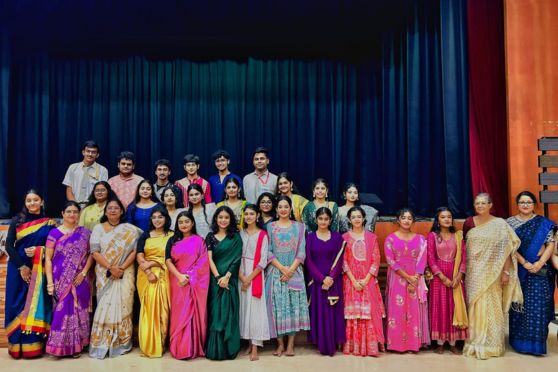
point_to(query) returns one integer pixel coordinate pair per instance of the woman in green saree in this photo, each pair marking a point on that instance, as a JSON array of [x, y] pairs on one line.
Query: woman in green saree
[[224, 247]]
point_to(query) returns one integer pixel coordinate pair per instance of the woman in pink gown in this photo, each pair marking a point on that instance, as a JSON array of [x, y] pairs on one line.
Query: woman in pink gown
[[406, 292]]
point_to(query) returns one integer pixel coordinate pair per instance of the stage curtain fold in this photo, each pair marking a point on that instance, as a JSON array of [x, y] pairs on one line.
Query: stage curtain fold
[[392, 120], [487, 102]]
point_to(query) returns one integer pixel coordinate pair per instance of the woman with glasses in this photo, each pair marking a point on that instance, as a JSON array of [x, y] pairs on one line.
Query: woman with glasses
[[529, 328], [92, 213], [492, 284]]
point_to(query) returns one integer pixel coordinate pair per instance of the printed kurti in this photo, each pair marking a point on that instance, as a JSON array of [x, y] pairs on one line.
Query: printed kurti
[[309, 216], [364, 309], [287, 301], [407, 308]]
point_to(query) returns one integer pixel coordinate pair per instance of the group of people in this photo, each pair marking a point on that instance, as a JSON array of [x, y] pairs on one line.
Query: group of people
[[264, 262]]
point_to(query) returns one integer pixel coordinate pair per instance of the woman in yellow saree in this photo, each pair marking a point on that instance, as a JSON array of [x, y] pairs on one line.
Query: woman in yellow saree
[[492, 283], [153, 284]]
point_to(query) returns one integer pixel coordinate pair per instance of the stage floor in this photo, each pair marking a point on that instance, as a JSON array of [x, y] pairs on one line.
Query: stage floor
[[306, 360]]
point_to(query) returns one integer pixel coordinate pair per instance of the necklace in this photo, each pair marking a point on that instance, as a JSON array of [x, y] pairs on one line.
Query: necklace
[[118, 223]]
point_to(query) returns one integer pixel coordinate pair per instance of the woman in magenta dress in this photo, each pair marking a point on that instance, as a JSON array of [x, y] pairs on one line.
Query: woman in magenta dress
[[324, 262], [67, 262], [364, 308], [186, 259], [446, 259], [406, 292]]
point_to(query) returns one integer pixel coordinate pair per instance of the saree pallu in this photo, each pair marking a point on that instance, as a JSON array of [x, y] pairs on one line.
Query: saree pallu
[[28, 308], [188, 316], [223, 339], [69, 332], [111, 332], [529, 328], [154, 300], [488, 247]]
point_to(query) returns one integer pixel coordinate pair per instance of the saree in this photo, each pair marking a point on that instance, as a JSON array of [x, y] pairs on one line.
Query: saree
[[111, 333], [69, 331], [154, 299], [188, 317], [223, 339], [488, 247], [28, 307], [529, 328]]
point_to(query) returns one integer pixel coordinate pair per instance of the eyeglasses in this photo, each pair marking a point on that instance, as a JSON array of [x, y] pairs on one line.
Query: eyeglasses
[[525, 203]]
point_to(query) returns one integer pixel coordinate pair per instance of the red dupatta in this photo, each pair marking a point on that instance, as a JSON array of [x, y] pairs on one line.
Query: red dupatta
[[257, 282]]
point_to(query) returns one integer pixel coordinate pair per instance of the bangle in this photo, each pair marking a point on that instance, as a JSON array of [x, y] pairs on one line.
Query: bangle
[[84, 274], [217, 277], [506, 272], [525, 263], [50, 285], [22, 267]]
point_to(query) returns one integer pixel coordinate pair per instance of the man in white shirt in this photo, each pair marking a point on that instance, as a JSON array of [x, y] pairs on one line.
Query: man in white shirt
[[261, 180], [81, 177]]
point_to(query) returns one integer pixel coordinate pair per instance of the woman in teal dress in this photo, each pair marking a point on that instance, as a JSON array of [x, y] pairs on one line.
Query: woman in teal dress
[[224, 247], [320, 192]]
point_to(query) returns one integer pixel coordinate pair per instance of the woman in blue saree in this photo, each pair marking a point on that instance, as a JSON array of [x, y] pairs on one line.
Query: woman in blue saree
[[28, 307], [529, 326]]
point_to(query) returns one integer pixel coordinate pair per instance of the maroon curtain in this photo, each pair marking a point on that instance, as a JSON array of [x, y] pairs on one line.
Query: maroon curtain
[[487, 101]]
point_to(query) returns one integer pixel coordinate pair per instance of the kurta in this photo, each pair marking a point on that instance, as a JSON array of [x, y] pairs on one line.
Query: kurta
[[286, 301], [529, 328], [91, 216], [139, 216], [364, 309], [188, 316], [299, 202], [327, 321], [488, 247], [203, 219], [309, 216], [27, 326], [238, 211], [254, 323], [371, 218], [441, 259], [407, 312], [223, 339], [69, 331], [154, 299]]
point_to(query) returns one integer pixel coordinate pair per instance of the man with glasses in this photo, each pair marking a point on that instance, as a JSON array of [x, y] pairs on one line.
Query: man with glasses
[[217, 182], [81, 177]]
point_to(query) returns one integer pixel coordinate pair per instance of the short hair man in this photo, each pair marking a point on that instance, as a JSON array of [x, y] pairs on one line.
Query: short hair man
[[192, 166], [217, 182], [163, 170], [125, 183], [81, 177], [261, 180]]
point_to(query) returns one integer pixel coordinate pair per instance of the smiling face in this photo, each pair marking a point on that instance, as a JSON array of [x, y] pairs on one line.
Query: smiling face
[[320, 191], [169, 198], [285, 186], [222, 163], [194, 197], [260, 161], [113, 211], [223, 220], [162, 172], [323, 221], [90, 154], [356, 219], [33, 203], [482, 205], [191, 169], [406, 221], [445, 219], [351, 194], [232, 190], [101, 193], [283, 209], [526, 205], [158, 220], [70, 215], [250, 216], [266, 205], [145, 190], [185, 225]]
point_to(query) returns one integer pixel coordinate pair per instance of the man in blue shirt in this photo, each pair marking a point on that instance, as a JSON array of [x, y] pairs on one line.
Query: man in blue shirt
[[217, 183]]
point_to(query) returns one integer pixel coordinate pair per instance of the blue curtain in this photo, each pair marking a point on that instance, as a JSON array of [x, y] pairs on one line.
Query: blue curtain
[[393, 119], [4, 109]]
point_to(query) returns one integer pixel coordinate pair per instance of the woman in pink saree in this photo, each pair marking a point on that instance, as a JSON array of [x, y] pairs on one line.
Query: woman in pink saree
[[186, 259]]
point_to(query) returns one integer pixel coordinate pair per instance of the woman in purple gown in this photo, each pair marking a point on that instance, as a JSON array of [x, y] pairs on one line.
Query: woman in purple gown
[[324, 263]]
